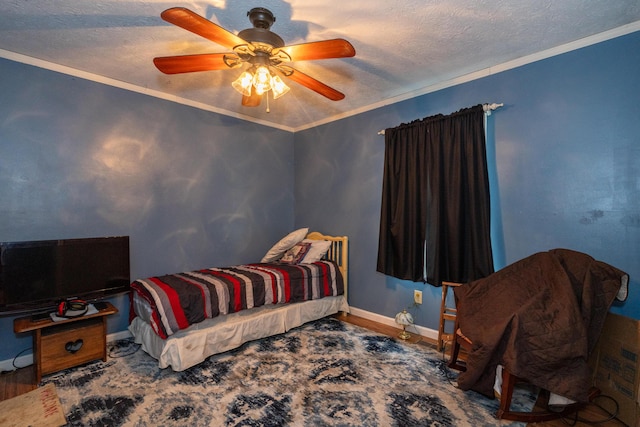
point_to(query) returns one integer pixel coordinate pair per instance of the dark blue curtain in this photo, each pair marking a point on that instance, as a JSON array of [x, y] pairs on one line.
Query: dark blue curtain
[[435, 215]]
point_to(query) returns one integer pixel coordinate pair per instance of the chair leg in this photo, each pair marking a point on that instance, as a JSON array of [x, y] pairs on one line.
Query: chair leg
[[455, 353], [506, 393], [504, 411], [443, 310]]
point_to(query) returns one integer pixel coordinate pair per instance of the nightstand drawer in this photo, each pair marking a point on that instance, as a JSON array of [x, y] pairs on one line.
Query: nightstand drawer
[[72, 344]]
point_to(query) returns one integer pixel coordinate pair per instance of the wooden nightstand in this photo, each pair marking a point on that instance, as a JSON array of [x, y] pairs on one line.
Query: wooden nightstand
[[67, 343]]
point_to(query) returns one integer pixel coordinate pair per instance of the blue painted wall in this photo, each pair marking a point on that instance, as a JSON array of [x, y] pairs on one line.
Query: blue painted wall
[[564, 155], [191, 188]]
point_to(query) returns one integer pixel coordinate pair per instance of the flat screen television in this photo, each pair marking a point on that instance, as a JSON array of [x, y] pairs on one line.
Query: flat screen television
[[35, 275]]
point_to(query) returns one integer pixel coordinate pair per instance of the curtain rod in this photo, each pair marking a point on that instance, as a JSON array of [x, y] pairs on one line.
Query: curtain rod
[[488, 108]]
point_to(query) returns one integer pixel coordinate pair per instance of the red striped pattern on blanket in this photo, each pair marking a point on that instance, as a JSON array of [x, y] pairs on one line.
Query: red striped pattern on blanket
[[180, 300]]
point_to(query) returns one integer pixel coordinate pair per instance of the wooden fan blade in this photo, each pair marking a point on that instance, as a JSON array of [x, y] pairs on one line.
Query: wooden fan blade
[[315, 85], [252, 100], [195, 23], [191, 63], [335, 48]]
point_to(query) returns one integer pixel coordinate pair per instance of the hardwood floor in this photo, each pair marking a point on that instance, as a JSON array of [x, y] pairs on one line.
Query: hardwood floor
[[17, 382], [23, 380]]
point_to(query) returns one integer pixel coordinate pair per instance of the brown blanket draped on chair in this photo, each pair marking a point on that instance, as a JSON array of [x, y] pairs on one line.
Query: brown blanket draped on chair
[[540, 318]]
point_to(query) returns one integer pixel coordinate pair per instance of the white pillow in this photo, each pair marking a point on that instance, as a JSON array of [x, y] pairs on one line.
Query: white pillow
[[318, 249], [287, 242]]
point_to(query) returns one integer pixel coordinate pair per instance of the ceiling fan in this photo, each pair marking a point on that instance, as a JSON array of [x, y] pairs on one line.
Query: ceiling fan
[[259, 47]]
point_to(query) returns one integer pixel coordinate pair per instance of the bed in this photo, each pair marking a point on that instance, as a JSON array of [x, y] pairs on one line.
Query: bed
[[540, 319], [180, 327]]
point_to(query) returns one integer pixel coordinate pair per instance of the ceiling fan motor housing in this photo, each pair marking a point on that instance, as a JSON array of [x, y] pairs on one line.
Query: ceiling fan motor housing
[[259, 35], [261, 17]]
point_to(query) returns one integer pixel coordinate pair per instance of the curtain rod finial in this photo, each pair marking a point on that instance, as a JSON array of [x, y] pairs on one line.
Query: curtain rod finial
[[488, 108]]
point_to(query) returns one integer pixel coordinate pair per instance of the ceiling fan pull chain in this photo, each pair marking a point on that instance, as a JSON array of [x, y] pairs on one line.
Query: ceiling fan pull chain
[[268, 110]]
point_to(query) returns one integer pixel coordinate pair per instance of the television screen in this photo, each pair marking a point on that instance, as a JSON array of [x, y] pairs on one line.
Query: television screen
[[35, 275]]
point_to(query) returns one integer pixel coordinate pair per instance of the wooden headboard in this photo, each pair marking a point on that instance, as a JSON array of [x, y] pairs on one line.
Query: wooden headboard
[[338, 252]]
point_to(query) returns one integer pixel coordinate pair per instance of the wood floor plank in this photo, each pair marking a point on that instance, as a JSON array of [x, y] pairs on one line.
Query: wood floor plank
[[17, 382]]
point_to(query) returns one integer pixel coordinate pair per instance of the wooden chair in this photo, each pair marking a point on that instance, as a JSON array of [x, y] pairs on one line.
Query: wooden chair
[[509, 382], [447, 313]]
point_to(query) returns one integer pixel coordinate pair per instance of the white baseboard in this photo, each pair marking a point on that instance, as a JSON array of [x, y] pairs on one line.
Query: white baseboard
[[420, 330], [27, 359], [20, 361]]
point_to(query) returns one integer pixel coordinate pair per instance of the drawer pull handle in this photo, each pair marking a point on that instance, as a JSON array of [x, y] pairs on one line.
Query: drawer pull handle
[[74, 346]]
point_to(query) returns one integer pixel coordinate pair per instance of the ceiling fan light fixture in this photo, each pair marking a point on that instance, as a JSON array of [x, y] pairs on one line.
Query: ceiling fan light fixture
[[243, 83], [278, 87], [262, 80]]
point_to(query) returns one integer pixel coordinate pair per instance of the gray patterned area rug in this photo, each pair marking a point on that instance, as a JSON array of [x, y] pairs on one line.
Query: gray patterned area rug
[[324, 373]]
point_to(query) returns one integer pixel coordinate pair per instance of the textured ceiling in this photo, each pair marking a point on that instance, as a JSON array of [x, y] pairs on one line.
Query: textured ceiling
[[403, 48]]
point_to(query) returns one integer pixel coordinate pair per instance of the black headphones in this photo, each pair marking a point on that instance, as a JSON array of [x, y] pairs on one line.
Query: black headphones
[[72, 308]]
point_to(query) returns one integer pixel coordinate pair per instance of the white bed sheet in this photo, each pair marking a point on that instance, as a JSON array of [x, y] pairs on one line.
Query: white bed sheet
[[193, 345]]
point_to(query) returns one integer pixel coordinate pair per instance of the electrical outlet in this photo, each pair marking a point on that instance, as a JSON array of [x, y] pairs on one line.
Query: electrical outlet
[[417, 296]]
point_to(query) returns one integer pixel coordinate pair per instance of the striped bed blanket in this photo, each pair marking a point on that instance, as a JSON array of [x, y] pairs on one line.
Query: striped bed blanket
[[180, 300]]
